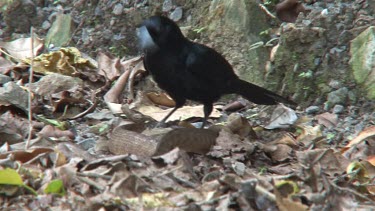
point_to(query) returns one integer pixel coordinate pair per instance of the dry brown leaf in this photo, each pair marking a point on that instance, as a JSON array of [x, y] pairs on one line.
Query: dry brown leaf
[[138, 69], [71, 150], [161, 99], [12, 128], [371, 159], [288, 10], [66, 61], [21, 48], [12, 94], [309, 134], [364, 171], [273, 52], [227, 142], [327, 119], [234, 106], [108, 66], [331, 163], [126, 187], [169, 157], [282, 153], [287, 140], [24, 156], [5, 66], [239, 125], [181, 114], [286, 204], [129, 69], [366, 133], [53, 132]]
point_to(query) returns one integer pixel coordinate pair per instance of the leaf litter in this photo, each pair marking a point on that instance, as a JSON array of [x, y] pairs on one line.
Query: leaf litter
[[82, 158]]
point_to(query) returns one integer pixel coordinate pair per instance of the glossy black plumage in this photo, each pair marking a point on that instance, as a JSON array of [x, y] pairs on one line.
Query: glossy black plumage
[[192, 71]]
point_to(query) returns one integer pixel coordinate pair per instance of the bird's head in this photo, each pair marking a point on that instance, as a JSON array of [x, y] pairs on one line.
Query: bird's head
[[158, 32]]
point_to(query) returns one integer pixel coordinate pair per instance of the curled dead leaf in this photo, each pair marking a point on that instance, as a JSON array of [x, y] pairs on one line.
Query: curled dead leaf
[[108, 66], [52, 132], [234, 106], [21, 48], [327, 119], [282, 153], [26, 155], [181, 114], [366, 133], [288, 10], [64, 61], [161, 99], [239, 125]]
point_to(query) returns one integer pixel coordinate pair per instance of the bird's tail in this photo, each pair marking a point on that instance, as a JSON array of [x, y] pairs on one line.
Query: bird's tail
[[258, 94]]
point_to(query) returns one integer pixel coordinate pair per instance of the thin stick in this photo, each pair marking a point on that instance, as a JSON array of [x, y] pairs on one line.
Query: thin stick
[[30, 114], [264, 8]]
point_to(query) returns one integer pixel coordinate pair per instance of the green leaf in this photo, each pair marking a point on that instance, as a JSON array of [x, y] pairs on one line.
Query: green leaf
[[56, 187], [30, 189], [10, 177]]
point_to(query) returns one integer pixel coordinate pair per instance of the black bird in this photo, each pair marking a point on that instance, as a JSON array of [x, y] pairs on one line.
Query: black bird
[[192, 71]]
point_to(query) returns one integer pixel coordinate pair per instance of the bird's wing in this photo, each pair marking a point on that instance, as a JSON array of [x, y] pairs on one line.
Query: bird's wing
[[208, 65]]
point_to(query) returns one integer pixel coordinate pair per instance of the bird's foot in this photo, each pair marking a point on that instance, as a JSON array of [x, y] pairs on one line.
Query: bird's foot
[[161, 125]]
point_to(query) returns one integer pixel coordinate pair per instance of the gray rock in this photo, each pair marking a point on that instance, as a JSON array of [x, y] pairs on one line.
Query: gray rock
[[362, 49], [335, 84], [87, 143], [46, 25], [13, 94], [4, 79], [55, 83], [338, 109], [126, 2], [312, 109], [359, 127], [167, 5], [117, 10], [98, 11], [176, 15], [337, 97]]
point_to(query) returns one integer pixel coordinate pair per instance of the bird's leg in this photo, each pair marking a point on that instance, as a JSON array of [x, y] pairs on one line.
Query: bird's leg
[[179, 104], [207, 109], [162, 122]]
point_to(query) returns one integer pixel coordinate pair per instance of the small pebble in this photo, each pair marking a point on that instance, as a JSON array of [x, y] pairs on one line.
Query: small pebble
[[117, 10], [4, 79], [312, 109], [324, 13], [46, 25], [176, 15], [317, 61], [338, 109], [335, 84], [359, 127], [336, 97], [87, 143], [98, 11], [307, 22], [167, 5]]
